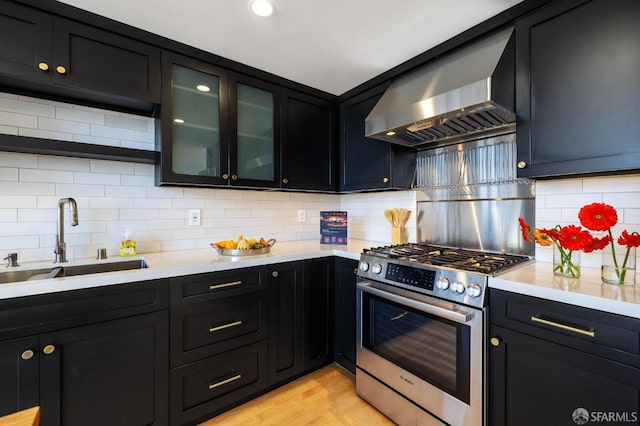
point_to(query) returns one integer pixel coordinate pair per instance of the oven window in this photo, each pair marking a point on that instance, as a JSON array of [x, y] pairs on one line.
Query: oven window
[[432, 348]]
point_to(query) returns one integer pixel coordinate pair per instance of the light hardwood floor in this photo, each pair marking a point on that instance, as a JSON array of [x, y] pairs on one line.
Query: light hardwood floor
[[324, 397]]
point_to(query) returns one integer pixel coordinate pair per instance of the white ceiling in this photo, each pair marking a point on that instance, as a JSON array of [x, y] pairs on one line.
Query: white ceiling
[[331, 45]]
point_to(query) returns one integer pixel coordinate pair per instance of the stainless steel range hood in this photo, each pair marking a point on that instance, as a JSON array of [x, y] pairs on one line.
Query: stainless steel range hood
[[466, 94]]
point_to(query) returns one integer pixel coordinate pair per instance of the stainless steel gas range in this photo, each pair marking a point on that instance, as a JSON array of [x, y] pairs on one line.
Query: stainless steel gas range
[[421, 321]]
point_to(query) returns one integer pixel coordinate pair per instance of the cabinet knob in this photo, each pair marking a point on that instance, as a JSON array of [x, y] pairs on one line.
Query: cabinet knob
[[225, 176], [234, 177], [495, 341], [285, 181], [275, 274], [27, 355], [61, 69], [386, 180], [49, 349], [521, 164], [43, 66]]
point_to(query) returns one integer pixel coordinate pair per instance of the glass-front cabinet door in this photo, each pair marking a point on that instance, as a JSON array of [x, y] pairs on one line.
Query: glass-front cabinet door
[[195, 141], [255, 147]]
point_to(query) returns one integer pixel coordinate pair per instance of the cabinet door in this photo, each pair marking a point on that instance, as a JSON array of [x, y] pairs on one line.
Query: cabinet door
[[194, 140], [368, 163], [285, 321], [255, 133], [319, 280], [577, 84], [105, 62], [111, 373], [26, 35], [308, 149], [345, 314], [534, 382], [19, 375]]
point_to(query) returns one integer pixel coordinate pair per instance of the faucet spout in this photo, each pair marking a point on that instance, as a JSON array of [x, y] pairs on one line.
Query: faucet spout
[[61, 245]]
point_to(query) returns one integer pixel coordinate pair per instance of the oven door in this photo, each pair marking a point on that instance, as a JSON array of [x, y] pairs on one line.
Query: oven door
[[428, 350]]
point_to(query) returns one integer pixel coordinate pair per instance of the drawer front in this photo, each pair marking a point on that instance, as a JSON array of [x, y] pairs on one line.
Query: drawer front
[[209, 328], [207, 387], [214, 285], [601, 333]]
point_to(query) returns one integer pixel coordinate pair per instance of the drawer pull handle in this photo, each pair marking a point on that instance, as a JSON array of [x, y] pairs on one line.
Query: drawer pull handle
[[225, 381], [231, 284], [563, 326], [222, 327]]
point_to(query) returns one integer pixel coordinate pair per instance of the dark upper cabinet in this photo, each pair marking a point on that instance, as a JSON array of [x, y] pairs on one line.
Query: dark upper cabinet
[[55, 56], [366, 163], [577, 85], [308, 142]]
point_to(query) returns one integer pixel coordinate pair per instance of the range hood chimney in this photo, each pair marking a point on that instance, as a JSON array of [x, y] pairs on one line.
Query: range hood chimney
[[464, 95]]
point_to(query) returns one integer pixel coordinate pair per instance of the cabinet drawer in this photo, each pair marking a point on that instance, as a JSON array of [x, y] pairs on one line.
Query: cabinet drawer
[[214, 285], [612, 336], [209, 328], [207, 387]]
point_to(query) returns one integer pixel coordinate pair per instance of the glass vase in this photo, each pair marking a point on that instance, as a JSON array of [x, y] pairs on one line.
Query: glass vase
[[619, 268], [566, 263]]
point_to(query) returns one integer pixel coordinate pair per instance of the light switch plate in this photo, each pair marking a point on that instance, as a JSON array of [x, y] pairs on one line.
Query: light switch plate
[[302, 216], [194, 217]]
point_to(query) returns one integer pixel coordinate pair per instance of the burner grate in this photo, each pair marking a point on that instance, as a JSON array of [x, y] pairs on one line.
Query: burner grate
[[450, 257]]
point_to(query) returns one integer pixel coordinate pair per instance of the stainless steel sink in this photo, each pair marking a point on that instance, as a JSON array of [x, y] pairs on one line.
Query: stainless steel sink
[[70, 271]]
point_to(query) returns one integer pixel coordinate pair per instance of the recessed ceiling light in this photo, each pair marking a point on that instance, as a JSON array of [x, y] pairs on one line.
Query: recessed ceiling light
[[261, 7], [178, 120], [203, 88], [391, 133]]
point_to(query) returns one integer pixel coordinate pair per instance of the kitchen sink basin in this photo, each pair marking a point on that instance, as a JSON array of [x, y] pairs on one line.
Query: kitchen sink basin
[[70, 271]]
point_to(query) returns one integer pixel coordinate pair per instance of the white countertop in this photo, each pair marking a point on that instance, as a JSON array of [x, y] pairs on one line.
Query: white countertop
[[588, 291], [177, 263], [535, 279]]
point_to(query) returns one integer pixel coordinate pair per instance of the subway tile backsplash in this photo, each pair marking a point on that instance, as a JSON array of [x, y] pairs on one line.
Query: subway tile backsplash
[[40, 118]]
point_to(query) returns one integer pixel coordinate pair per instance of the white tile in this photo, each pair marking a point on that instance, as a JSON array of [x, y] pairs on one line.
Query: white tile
[[138, 214], [8, 174], [45, 134], [97, 214], [110, 203], [18, 243], [18, 120], [26, 107], [92, 109], [130, 122], [112, 132], [187, 203], [152, 203], [132, 227], [51, 176], [9, 130], [144, 169], [97, 178], [10, 159], [26, 188], [55, 125], [166, 224], [8, 214], [37, 215], [125, 191], [165, 192], [105, 166], [632, 216], [192, 233], [63, 163], [96, 140], [136, 180], [27, 228], [175, 245], [621, 200], [570, 200], [628, 183], [72, 114], [558, 186], [144, 146], [8, 95], [79, 190]]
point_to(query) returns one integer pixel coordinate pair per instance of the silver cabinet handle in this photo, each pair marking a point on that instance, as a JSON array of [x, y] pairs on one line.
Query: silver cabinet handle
[[224, 326], [225, 381], [231, 284], [563, 326]]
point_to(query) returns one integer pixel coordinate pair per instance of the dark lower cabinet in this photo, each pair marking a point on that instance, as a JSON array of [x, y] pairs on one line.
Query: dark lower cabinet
[[300, 317], [577, 67], [344, 349], [107, 373], [580, 362]]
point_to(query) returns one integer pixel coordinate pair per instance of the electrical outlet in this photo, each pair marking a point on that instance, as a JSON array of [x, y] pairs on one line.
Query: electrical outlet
[[302, 216], [194, 217]]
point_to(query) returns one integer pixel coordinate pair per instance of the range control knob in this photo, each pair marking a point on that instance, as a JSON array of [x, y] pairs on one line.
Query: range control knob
[[376, 268], [457, 287], [364, 266], [442, 283], [474, 290]]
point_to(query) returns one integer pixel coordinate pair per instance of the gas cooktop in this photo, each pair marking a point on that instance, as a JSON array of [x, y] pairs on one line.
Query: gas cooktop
[[449, 257]]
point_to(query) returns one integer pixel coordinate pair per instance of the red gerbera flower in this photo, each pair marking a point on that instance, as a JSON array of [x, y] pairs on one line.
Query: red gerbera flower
[[629, 240], [598, 244], [574, 237], [542, 238], [551, 233], [598, 216], [524, 228]]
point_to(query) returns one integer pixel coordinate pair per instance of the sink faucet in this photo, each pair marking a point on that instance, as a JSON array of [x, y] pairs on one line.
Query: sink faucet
[[61, 246]]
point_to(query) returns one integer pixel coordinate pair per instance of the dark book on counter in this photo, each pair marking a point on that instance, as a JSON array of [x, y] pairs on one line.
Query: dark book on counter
[[333, 227]]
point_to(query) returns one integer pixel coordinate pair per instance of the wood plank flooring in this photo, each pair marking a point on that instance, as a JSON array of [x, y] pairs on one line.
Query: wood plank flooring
[[324, 397]]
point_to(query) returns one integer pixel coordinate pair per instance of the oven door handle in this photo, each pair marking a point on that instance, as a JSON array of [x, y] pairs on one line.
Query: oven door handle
[[459, 316]]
